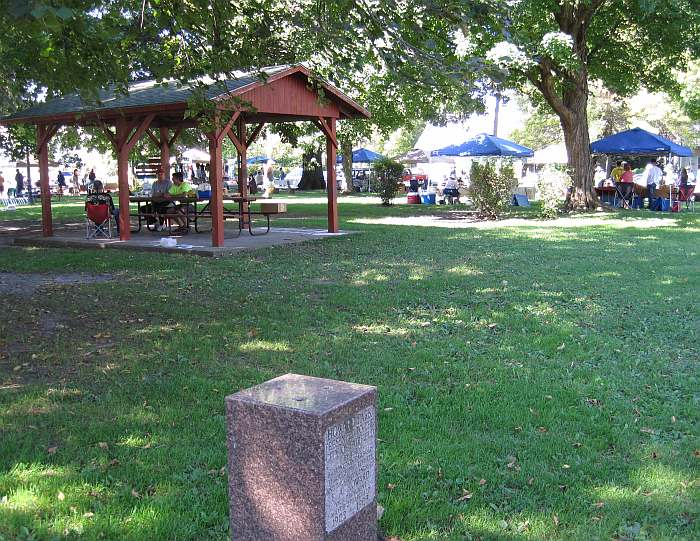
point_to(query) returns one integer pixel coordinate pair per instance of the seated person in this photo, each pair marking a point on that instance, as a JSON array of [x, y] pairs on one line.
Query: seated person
[[178, 190], [617, 171], [451, 188], [158, 191], [625, 186], [98, 196], [627, 174]]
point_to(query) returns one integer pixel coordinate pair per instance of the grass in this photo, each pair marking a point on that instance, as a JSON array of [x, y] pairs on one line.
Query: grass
[[535, 382]]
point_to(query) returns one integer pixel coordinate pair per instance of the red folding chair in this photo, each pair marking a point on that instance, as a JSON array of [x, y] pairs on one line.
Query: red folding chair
[[687, 194], [98, 222]]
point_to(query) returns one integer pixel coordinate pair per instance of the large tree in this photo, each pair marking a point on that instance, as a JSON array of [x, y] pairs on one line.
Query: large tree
[[559, 47]]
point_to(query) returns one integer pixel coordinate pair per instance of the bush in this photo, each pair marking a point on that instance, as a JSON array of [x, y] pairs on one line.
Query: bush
[[389, 176], [552, 184], [491, 188]]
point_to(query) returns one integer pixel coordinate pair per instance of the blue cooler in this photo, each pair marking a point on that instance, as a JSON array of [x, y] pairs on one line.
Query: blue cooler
[[664, 205], [427, 198], [204, 194], [637, 202]]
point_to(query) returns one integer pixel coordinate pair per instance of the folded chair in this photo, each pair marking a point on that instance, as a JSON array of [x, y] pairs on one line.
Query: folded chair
[[687, 195], [98, 222], [624, 193]]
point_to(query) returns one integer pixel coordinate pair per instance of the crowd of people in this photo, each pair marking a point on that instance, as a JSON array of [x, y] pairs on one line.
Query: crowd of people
[[656, 173]]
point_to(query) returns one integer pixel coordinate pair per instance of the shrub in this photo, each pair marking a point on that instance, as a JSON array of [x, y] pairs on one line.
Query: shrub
[[552, 184], [388, 179], [491, 188]]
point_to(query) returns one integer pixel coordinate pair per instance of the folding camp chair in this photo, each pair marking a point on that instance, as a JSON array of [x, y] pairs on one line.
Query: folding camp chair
[[624, 193], [687, 195], [98, 221]]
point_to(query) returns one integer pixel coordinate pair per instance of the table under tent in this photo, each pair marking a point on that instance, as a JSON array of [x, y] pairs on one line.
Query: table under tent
[[639, 143]]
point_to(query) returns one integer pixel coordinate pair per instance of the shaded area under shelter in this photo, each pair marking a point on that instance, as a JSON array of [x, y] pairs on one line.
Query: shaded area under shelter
[[237, 109]]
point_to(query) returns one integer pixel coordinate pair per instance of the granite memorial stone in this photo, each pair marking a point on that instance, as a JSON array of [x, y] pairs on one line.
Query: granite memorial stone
[[302, 461]]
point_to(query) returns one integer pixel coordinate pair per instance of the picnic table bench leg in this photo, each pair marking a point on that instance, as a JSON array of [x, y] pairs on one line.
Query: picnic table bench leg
[[250, 225]]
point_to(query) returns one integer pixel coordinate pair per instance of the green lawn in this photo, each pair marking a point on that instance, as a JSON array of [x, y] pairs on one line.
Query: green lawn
[[535, 382]]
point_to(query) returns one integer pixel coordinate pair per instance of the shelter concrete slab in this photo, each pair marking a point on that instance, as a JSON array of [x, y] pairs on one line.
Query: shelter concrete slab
[[194, 244]]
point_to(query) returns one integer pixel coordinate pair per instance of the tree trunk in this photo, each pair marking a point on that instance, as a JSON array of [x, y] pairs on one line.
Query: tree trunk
[[312, 174], [582, 195]]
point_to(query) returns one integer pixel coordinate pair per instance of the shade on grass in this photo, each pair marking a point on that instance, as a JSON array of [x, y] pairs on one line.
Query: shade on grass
[[535, 382]]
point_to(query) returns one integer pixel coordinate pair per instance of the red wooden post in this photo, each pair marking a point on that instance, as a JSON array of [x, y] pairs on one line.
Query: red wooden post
[[165, 151], [243, 166], [123, 131], [331, 185], [43, 135], [216, 175], [123, 141]]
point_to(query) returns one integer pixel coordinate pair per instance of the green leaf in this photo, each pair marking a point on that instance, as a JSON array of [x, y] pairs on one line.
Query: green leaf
[[64, 13]]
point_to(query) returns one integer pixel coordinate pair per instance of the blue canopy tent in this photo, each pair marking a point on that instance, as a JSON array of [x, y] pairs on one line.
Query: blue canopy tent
[[362, 155], [257, 159], [639, 141], [485, 145]]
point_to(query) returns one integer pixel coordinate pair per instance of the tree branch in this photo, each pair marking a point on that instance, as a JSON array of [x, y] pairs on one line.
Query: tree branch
[[544, 82]]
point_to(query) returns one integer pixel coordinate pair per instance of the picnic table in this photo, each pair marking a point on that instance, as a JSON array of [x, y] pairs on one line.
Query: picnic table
[[192, 209]]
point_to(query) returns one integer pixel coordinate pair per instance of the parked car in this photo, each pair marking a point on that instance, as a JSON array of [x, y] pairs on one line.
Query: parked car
[[416, 175], [291, 179]]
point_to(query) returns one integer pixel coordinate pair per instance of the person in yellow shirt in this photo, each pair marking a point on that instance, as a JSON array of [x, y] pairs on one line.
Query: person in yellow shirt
[[177, 191], [617, 171]]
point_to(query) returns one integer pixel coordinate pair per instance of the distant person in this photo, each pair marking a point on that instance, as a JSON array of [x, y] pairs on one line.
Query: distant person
[[282, 175], [627, 174], [2, 186], [76, 182], [599, 176], [180, 188], [451, 190], [252, 185], [683, 179], [652, 176], [61, 181], [159, 190], [617, 171], [92, 176], [19, 179], [97, 196]]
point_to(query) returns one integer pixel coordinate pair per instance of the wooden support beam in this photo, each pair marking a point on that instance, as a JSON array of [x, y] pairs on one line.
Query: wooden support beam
[[331, 185], [177, 133], [243, 166], [122, 149], [216, 179], [165, 152], [325, 126], [47, 134], [236, 142], [43, 136], [254, 135], [153, 137], [142, 126], [227, 128]]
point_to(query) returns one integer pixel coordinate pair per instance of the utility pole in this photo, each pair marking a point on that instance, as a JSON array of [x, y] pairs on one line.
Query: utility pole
[[495, 115]]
